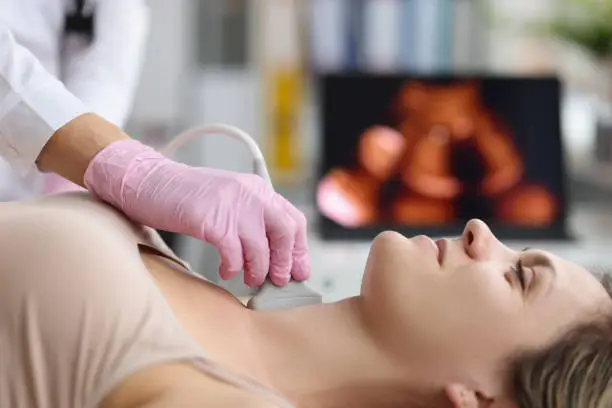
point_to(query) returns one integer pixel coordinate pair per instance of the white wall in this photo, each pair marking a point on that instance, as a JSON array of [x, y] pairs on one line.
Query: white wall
[[513, 45], [168, 56]]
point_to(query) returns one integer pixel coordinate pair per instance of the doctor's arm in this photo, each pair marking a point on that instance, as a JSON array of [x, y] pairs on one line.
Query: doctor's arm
[[72, 147], [42, 124], [104, 74]]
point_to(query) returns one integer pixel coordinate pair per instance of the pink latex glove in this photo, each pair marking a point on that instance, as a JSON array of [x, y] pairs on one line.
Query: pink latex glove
[[253, 227], [55, 184]]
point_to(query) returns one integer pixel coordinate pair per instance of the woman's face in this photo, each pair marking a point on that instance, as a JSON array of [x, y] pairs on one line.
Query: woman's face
[[462, 307]]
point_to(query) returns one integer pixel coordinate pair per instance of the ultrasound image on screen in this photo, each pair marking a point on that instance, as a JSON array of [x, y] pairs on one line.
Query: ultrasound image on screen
[[435, 152]]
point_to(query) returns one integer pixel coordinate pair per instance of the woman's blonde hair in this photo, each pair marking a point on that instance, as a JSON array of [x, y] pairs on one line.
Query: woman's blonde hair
[[574, 372]]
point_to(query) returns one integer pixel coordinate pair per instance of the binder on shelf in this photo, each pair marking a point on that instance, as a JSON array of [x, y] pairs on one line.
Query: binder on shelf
[[354, 33], [433, 37], [407, 32], [283, 90], [327, 32], [382, 34], [469, 37], [462, 34], [445, 28]]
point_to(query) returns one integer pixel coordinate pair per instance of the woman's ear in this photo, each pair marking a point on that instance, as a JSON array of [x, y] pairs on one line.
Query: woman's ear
[[461, 396]]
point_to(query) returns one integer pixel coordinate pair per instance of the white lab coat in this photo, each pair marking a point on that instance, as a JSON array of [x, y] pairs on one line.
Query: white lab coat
[[46, 81]]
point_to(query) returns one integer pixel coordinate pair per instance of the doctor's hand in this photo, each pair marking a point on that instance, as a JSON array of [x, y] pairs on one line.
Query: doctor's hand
[[253, 227]]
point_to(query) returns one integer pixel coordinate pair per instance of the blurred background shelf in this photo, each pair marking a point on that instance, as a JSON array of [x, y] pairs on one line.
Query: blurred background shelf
[[251, 63]]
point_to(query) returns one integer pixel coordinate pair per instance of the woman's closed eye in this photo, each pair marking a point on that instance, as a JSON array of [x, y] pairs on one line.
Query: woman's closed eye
[[523, 275]]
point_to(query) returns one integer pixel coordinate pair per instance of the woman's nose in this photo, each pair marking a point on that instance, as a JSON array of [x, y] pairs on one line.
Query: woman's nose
[[478, 240]]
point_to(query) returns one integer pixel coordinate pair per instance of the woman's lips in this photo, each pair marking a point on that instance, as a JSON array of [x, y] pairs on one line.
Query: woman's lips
[[433, 245], [441, 245]]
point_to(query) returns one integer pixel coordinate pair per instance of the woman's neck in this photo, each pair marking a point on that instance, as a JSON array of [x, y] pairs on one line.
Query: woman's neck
[[325, 356], [317, 356]]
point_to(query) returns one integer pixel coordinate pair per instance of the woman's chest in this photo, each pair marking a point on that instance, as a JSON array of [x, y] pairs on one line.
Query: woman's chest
[[215, 319]]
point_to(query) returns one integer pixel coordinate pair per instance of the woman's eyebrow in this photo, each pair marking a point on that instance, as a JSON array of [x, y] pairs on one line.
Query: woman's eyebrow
[[541, 260]]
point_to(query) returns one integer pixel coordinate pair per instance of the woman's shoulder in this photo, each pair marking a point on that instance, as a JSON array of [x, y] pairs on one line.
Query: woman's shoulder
[[218, 399], [239, 400], [80, 211], [211, 392], [226, 403], [181, 385]]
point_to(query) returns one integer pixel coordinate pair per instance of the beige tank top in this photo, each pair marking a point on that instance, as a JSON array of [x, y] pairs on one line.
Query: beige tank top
[[79, 312]]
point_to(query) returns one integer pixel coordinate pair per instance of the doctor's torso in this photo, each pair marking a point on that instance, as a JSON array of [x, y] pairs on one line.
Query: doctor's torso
[[38, 25], [101, 70]]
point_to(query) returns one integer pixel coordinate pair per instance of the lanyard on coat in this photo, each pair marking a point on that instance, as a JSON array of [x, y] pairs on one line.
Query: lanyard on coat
[[80, 21]]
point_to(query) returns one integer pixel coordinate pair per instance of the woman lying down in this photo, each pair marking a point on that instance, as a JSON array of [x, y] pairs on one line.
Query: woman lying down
[[96, 312]]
